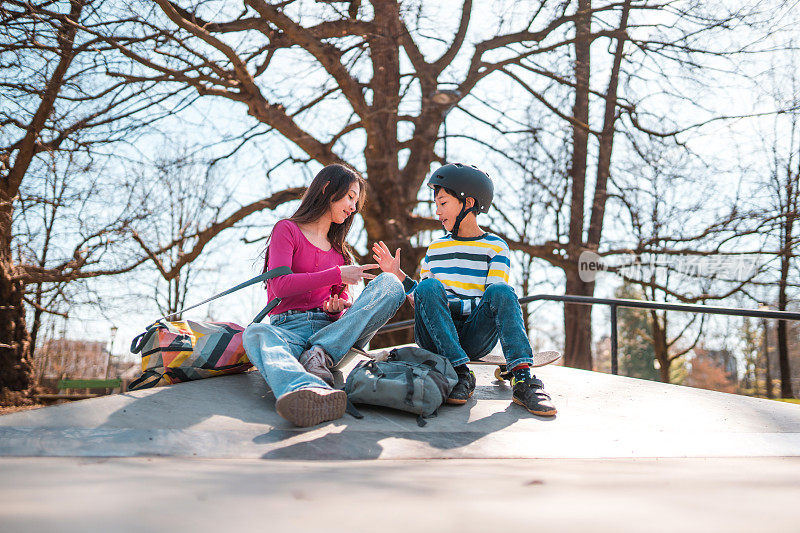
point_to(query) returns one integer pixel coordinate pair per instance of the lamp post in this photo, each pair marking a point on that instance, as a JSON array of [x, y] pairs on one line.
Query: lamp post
[[114, 330]]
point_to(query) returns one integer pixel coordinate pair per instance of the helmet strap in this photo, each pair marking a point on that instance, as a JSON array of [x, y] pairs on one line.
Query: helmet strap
[[464, 212]]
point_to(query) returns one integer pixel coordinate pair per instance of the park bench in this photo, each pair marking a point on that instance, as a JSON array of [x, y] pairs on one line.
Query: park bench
[[80, 389]]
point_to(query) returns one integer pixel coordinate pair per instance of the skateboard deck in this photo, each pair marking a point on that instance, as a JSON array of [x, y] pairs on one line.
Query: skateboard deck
[[503, 373], [539, 359]]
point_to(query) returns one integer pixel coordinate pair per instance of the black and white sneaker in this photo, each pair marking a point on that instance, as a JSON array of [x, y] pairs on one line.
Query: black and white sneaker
[[464, 388], [530, 394]]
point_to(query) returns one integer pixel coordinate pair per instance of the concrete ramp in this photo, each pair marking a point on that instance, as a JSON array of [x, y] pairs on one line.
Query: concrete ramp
[[622, 456], [600, 416]]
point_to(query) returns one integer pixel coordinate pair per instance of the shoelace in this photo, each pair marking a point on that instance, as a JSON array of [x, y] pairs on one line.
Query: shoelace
[[318, 359], [321, 360]]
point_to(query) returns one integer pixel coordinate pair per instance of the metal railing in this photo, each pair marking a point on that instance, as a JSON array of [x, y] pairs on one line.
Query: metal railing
[[615, 303]]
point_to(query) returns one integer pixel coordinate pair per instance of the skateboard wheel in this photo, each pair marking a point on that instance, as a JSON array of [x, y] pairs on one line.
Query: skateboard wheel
[[498, 373]]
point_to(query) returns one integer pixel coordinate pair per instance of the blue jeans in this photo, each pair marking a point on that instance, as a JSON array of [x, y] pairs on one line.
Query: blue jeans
[[275, 348], [461, 339]]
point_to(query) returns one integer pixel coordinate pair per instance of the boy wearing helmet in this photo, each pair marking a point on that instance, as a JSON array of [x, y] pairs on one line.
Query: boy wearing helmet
[[463, 303]]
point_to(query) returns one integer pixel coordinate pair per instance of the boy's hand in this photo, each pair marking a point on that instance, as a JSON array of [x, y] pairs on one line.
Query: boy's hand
[[335, 305], [388, 262]]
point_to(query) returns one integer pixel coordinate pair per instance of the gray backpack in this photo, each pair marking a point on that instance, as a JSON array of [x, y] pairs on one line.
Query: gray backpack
[[411, 379]]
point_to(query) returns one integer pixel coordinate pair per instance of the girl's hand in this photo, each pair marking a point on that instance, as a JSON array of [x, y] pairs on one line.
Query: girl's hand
[[352, 274], [335, 305], [388, 262]]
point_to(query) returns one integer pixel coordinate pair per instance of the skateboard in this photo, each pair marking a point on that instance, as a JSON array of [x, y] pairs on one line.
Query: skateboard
[[503, 373]]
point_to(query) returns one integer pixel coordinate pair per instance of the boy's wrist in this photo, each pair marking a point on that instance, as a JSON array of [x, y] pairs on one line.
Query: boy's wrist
[[408, 284]]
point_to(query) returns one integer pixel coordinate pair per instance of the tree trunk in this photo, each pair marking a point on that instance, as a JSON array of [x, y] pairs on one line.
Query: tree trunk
[[787, 235], [660, 345], [386, 216], [577, 318], [526, 282], [15, 369], [783, 345], [34, 335], [578, 324], [767, 370]]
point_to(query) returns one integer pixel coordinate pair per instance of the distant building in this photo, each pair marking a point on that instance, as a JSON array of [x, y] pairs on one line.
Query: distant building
[[722, 358], [72, 358]]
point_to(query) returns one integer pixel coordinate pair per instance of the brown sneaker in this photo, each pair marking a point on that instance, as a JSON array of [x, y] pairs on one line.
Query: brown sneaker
[[309, 407], [317, 362]]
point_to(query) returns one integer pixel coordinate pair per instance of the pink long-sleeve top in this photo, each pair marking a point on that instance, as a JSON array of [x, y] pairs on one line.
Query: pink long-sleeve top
[[316, 275]]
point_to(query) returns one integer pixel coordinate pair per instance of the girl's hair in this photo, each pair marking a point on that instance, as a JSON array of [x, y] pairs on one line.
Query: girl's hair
[[330, 184]]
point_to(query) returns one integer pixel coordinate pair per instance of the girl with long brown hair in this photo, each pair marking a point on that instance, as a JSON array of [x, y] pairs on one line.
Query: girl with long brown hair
[[317, 323]]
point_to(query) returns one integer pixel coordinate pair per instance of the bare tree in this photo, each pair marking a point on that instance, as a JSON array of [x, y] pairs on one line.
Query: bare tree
[[375, 60], [369, 84], [181, 198], [39, 223], [59, 112], [781, 217], [685, 240], [187, 206], [650, 53]]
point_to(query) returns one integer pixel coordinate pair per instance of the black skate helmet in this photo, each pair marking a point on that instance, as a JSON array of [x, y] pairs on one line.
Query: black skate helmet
[[465, 181]]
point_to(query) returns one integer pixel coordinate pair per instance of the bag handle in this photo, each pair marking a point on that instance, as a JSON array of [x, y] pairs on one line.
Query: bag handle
[[269, 274], [140, 340]]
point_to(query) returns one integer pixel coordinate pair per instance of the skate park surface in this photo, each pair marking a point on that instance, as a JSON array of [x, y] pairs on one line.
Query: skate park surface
[[621, 455]]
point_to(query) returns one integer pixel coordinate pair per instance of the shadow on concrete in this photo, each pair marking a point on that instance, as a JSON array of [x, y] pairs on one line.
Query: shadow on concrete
[[243, 398], [360, 440]]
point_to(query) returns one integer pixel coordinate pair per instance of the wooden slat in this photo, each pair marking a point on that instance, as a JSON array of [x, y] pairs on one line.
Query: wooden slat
[[66, 396]]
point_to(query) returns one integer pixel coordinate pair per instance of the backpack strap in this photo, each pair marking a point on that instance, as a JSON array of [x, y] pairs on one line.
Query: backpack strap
[[269, 274], [352, 411], [410, 388], [272, 304]]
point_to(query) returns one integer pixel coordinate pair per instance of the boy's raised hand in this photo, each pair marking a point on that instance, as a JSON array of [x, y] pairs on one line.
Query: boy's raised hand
[[388, 262]]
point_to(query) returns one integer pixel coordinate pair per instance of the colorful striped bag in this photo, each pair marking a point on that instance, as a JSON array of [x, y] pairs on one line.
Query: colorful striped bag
[[185, 350], [173, 352]]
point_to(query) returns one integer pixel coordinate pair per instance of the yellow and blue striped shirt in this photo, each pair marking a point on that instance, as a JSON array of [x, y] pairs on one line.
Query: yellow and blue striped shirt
[[466, 266]]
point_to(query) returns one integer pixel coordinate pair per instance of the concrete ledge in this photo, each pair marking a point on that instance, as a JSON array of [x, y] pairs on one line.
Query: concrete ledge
[[600, 416]]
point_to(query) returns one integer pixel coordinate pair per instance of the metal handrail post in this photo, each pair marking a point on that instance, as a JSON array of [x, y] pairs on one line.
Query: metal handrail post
[[614, 364]]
